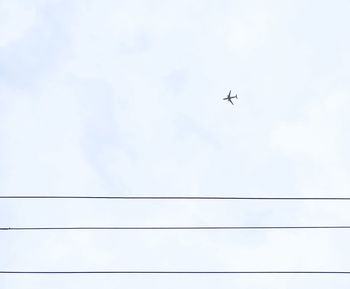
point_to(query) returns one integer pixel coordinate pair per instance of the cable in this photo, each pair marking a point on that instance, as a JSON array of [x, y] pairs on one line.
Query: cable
[[174, 228], [174, 272], [182, 198]]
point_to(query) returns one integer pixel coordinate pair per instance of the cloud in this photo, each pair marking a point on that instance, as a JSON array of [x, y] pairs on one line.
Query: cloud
[[125, 98], [316, 142], [15, 21]]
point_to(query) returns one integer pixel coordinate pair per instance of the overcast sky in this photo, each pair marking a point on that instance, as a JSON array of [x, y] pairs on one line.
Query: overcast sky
[[125, 98]]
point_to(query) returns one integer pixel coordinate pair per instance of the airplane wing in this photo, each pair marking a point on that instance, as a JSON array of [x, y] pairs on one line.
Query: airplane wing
[[230, 101], [229, 94]]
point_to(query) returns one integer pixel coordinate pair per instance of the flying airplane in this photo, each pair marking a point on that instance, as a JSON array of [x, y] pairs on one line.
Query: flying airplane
[[229, 97]]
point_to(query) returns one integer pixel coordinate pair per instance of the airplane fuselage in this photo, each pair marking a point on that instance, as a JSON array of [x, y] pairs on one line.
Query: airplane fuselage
[[229, 97]]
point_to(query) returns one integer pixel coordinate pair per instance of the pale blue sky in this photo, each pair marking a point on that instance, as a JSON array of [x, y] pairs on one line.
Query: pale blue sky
[[125, 98]]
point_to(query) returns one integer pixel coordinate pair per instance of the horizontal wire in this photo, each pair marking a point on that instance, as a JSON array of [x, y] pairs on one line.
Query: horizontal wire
[[182, 198], [174, 272], [174, 228]]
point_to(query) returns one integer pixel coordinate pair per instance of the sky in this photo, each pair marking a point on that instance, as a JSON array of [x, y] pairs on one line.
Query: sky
[[124, 98]]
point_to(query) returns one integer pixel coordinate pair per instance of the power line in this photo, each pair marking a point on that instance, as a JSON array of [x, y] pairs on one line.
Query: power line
[[174, 272], [174, 228], [182, 198]]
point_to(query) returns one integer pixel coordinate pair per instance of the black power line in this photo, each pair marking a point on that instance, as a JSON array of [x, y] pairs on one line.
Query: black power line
[[182, 198], [174, 228], [174, 272]]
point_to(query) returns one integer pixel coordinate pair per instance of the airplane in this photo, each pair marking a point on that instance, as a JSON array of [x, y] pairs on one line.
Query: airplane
[[229, 97]]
